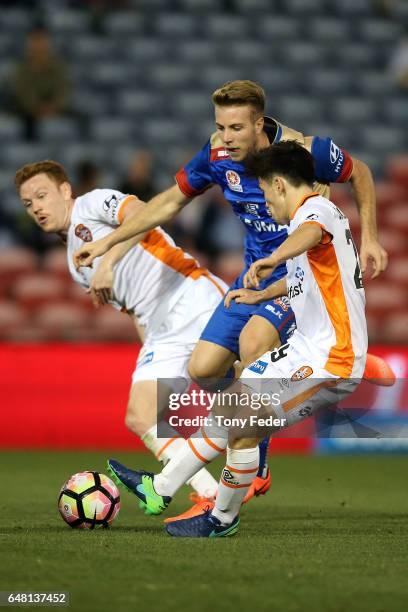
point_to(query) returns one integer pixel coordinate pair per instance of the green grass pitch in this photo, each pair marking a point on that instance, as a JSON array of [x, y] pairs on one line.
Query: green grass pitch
[[330, 536]]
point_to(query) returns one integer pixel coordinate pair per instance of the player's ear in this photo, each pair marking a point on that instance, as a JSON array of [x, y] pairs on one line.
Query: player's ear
[[66, 190], [259, 124]]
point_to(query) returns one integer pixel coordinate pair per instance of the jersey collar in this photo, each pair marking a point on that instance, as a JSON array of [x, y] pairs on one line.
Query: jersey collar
[[302, 201]]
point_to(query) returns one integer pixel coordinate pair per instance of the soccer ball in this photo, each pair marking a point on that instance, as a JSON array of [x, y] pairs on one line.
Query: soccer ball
[[88, 500]]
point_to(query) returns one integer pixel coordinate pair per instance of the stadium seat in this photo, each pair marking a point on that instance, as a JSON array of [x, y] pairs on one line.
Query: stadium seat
[[357, 55], [395, 328], [304, 54], [212, 77], [36, 289], [11, 128], [397, 172], [278, 27], [59, 129], [329, 81], [15, 262], [384, 138], [200, 5], [91, 47], [198, 51], [174, 25], [397, 270], [112, 325], [171, 76], [113, 74], [396, 110], [16, 154], [329, 28], [64, 19], [393, 241], [298, 111], [353, 110], [112, 129], [352, 8], [12, 317], [90, 102], [55, 262], [135, 102], [380, 30], [382, 296], [63, 320], [165, 130], [227, 27], [396, 216], [146, 51], [124, 23], [15, 20], [246, 52]]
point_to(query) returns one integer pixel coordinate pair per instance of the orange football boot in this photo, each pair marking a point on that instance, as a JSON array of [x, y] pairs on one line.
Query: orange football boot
[[378, 372], [201, 505], [258, 487]]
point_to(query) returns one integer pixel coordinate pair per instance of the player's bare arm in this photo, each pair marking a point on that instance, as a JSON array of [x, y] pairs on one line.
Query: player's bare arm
[[364, 192], [103, 277], [159, 210], [304, 238], [251, 296]]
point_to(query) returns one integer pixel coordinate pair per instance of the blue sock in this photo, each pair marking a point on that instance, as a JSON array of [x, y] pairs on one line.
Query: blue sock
[[263, 457]]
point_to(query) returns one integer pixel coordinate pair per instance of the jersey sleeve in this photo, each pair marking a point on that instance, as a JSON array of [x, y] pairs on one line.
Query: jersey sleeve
[[108, 205], [319, 215], [332, 164], [195, 177]]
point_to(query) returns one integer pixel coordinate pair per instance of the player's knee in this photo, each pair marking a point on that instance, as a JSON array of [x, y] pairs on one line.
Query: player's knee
[[252, 345], [134, 421], [203, 372]]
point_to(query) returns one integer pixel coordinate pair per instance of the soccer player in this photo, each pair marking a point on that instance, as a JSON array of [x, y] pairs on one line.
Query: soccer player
[[324, 358], [246, 331], [164, 290]]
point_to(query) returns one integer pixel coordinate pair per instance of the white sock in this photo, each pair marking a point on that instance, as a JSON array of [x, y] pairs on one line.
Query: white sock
[[197, 452], [239, 472], [166, 448]]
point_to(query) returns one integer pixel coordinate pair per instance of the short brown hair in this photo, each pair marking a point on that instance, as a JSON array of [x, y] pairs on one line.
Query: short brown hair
[[53, 169], [240, 93]]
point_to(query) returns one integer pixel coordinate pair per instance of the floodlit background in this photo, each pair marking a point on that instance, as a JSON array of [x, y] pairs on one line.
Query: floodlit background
[[120, 92]]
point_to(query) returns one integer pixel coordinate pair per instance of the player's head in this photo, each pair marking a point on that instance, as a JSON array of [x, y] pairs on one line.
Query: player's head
[[283, 169], [46, 193], [239, 109]]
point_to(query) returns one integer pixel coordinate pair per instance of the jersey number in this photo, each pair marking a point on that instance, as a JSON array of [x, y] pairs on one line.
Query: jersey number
[[358, 277]]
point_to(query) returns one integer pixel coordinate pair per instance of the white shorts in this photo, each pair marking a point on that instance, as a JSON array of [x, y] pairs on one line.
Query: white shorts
[[167, 350], [297, 386]]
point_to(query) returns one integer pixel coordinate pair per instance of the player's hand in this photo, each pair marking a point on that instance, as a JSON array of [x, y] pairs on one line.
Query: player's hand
[[371, 250], [101, 285], [243, 296], [86, 254], [259, 270]]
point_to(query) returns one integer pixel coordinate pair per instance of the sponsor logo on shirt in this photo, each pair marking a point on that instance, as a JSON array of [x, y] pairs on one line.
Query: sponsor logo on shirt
[[295, 290], [111, 205], [222, 153], [302, 373], [251, 208], [258, 367], [233, 180], [299, 273], [334, 152], [84, 233], [146, 359]]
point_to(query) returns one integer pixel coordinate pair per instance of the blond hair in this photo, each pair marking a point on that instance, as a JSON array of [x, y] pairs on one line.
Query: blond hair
[[54, 170], [240, 93]]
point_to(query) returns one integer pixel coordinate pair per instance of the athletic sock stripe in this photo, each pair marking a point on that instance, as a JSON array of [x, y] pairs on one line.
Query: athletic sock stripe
[[195, 451], [234, 486], [210, 442], [231, 469], [163, 448]]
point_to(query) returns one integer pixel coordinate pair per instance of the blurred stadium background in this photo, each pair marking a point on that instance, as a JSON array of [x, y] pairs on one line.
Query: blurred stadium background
[[132, 104]]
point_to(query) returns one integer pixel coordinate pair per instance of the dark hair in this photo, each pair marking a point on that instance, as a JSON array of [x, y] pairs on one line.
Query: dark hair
[[288, 159], [53, 169], [240, 93]]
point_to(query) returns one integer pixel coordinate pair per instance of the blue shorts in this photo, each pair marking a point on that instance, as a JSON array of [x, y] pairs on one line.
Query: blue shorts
[[225, 324]]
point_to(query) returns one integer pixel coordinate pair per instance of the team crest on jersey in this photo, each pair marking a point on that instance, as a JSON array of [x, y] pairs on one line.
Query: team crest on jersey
[[302, 373], [233, 180], [84, 233]]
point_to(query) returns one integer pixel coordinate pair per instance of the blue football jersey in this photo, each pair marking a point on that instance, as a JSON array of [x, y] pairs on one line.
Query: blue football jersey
[[212, 165]]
